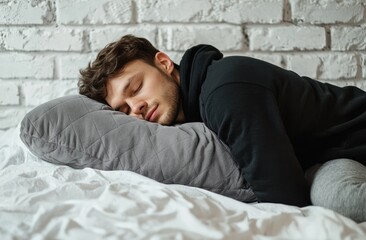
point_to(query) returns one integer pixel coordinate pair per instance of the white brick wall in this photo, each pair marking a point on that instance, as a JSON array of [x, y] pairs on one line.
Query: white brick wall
[[286, 38], [26, 12], [41, 39], [94, 12], [328, 11], [43, 44], [180, 38], [346, 38]]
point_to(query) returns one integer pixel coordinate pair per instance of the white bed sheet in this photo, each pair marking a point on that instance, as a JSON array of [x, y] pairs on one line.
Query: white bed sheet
[[39, 200]]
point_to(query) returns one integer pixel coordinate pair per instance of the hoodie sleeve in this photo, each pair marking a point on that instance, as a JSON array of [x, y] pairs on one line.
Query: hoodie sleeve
[[246, 117]]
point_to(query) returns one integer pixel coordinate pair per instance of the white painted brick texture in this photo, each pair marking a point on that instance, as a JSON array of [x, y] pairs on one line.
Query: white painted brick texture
[[286, 38], [94, 12], [9, 93], [37, 92], [324, 66], [99, 38], [44, 43], [348, 38], [41, 39], [25, 65], [328, 11], [181, 38], [71, 64], [363, 65], [10, 117], [26, 12], [188, 11]]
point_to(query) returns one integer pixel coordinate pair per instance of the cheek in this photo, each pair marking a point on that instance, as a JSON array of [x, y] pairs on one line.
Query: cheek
[[157, 88]]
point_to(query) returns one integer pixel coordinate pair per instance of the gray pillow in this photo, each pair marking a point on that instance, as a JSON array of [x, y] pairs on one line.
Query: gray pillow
[[79, 132]]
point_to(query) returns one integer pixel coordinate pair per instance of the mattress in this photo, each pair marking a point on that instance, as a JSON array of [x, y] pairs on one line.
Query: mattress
[[40, 200]]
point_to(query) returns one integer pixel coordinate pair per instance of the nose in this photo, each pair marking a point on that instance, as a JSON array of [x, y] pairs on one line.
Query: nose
[[138, 107]]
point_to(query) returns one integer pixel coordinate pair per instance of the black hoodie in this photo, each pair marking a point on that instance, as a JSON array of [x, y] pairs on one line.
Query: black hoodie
[[276, 123]]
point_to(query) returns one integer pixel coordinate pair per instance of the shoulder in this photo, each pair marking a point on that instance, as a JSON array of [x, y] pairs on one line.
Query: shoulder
[[244, 69], [234, 70]]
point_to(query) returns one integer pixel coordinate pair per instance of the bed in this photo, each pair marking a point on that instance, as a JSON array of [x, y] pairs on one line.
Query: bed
[[40, 199]]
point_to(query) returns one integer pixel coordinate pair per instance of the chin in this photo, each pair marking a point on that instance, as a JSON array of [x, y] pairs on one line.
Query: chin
[[169, 118], [166, 122]]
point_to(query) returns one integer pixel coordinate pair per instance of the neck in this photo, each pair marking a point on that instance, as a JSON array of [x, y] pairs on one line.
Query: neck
[[180, 118], [175, 75]]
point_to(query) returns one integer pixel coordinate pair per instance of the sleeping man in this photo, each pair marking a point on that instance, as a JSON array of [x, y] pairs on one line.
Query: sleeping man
[[276, 123]]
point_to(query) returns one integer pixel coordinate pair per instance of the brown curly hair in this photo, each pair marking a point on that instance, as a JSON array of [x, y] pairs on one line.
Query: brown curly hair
[[110, 61]]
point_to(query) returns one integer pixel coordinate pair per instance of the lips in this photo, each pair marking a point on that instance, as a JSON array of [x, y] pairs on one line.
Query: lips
[[150, 114]]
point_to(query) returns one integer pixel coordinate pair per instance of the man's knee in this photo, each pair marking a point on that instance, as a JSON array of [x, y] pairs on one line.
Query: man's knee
[[340, 185]]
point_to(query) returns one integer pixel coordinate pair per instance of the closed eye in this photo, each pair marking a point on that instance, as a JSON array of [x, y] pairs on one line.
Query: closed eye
[[137, 88]]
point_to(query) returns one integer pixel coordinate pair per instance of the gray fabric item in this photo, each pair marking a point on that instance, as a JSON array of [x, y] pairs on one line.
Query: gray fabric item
[[80, 132], [340, 185]]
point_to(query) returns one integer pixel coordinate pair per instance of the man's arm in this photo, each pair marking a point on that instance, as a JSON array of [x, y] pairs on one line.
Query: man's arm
[[246, 117]]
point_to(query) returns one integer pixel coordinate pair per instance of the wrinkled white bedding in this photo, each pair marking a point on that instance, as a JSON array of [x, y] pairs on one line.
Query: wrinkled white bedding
[[43, 201]]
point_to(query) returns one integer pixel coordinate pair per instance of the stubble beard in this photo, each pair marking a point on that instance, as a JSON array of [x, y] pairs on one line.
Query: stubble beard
[[172, 95]]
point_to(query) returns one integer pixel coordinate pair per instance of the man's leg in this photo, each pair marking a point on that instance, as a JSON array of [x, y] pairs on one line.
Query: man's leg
[[340, 185]]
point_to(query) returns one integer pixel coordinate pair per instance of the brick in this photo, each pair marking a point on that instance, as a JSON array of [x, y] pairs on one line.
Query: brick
[[26, 12], [175, 11], [348, 38], [363, 65], [38, 92], [324, 66], [95, 11], [19, 65], [11, 117], [224, 37], [99, 38], [338, 66], [251, 11], [70, 65], [304, 64], [286, 38], [9, 93], [327, 11], [237, 11], [41, 39]]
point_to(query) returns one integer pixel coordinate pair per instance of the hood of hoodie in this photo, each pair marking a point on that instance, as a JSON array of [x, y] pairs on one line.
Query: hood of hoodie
[[192, 71]]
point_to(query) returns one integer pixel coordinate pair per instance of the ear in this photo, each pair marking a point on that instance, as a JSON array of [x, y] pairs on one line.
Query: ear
[[163, 61]]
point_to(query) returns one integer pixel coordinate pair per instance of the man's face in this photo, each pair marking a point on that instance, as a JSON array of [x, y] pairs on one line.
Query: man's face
[[145, 92]]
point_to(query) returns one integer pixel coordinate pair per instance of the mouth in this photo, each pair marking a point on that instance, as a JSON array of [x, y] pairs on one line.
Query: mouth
[[150, 115]]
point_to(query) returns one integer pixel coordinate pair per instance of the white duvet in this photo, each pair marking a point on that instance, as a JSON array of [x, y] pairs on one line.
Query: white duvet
[[43, 201]]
